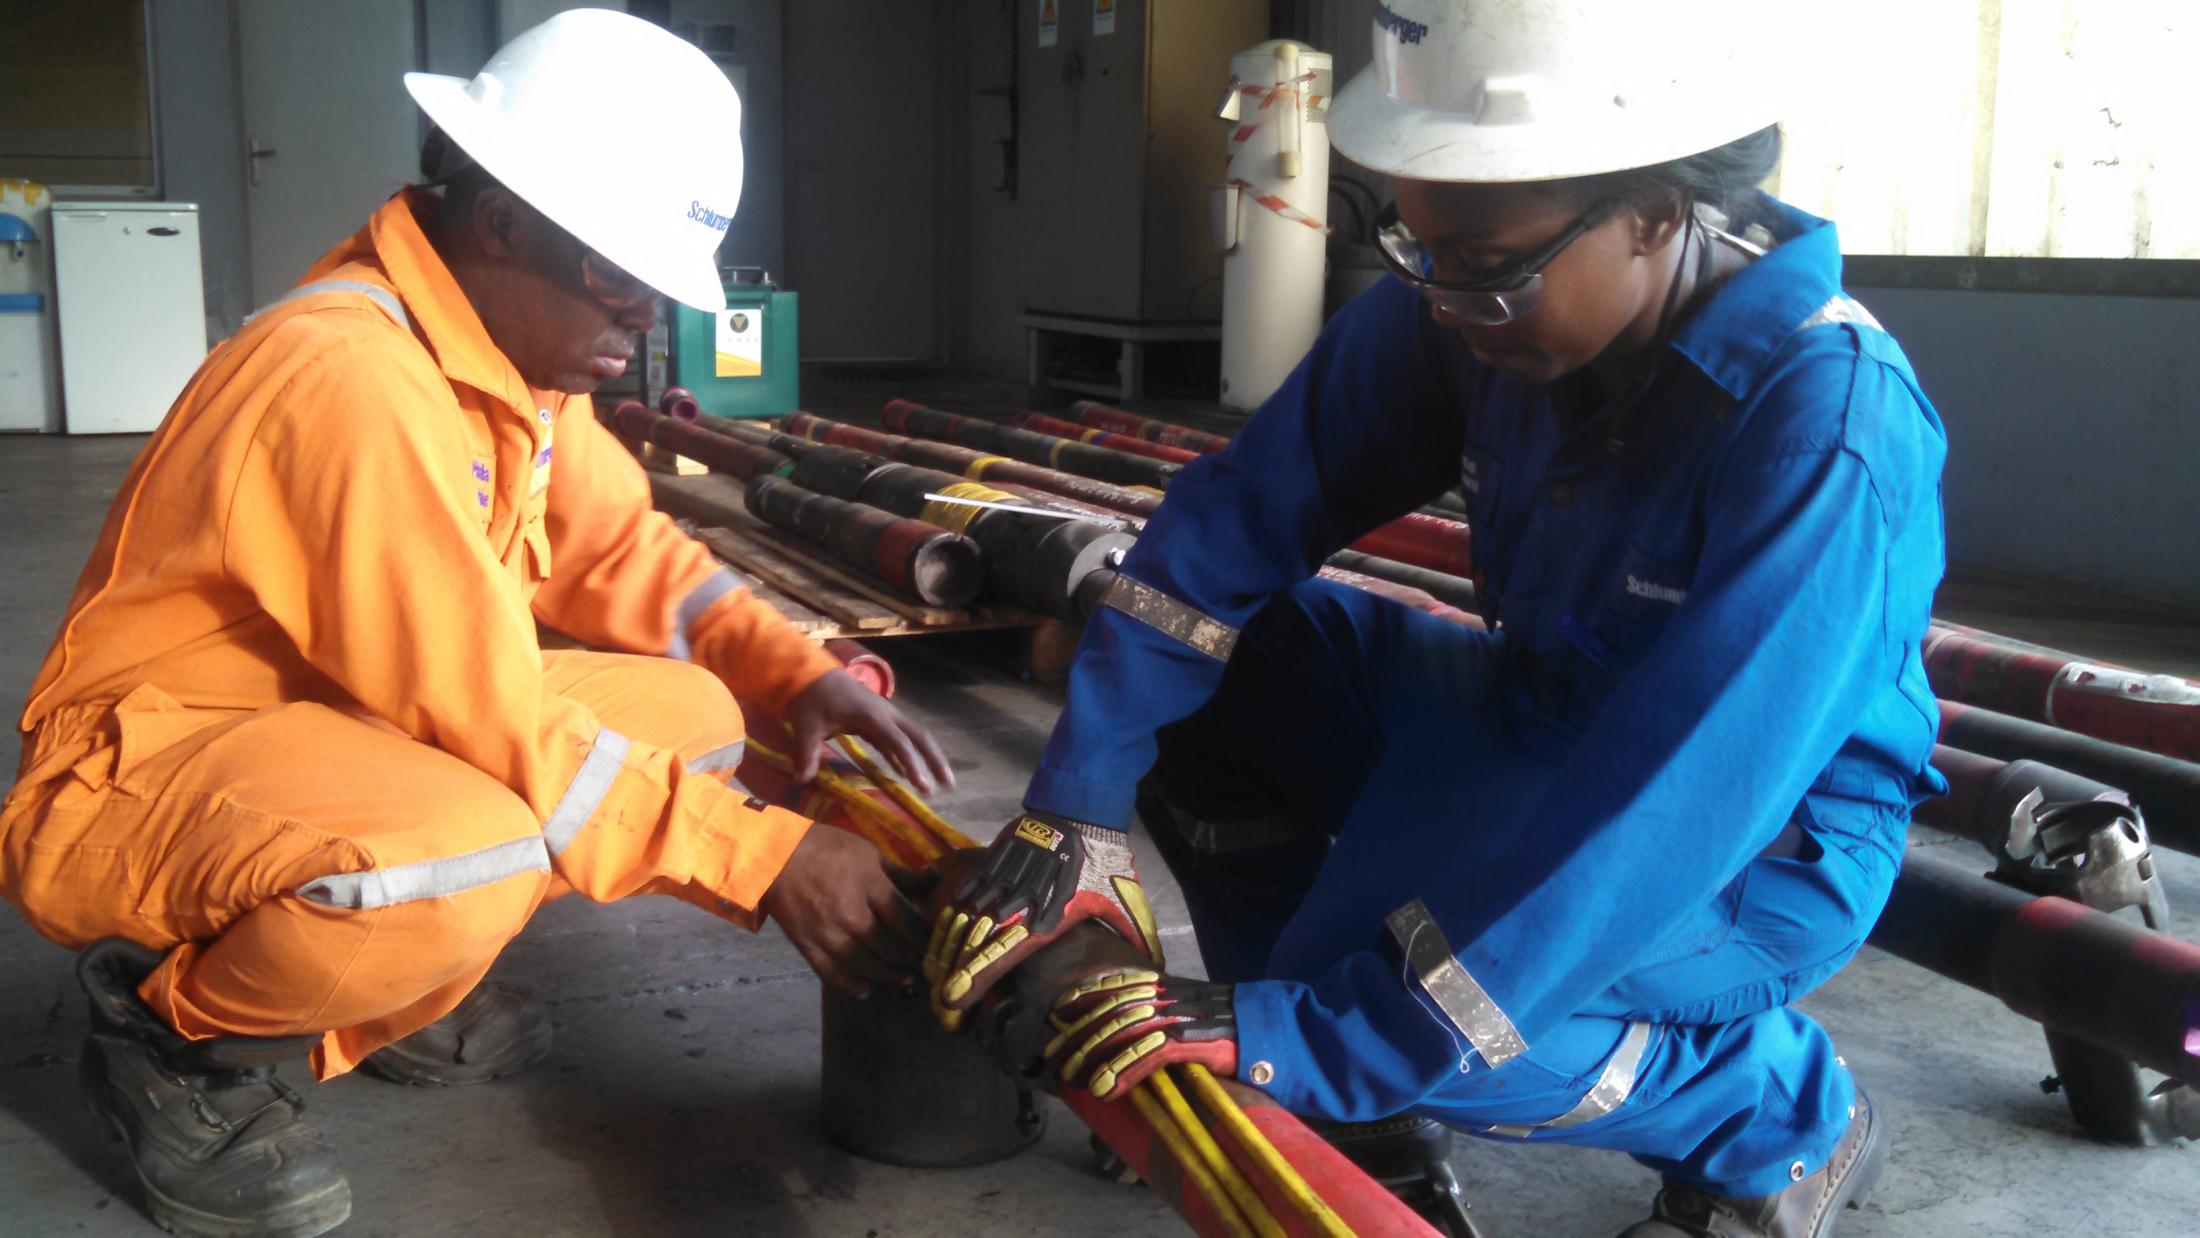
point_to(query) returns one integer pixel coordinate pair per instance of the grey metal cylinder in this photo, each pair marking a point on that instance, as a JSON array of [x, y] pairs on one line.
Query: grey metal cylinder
[[900, 1091]]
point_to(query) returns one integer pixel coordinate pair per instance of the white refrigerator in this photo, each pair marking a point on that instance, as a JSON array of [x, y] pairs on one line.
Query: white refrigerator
[[132, 306]]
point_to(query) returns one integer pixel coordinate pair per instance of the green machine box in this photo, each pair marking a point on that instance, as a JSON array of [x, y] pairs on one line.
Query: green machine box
[[742, 360]]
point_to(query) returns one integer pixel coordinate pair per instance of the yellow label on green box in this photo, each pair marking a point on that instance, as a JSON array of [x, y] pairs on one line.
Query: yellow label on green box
[[740, 343]]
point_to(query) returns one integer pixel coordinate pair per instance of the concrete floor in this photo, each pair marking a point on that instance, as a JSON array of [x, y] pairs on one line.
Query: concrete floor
[[682, 1095]]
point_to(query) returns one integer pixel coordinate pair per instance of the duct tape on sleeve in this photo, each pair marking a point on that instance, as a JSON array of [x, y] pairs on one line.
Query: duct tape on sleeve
[[1170, 617]]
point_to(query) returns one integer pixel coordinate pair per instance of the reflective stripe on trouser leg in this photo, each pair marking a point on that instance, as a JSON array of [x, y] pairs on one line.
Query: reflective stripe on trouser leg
[[719, 760], [1463, 1000], [1610, 1091], [699, 599], [584, 795], [384, 887]]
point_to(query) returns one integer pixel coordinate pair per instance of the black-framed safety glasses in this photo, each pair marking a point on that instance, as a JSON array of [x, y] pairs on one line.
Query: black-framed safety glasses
[[1500, 297]]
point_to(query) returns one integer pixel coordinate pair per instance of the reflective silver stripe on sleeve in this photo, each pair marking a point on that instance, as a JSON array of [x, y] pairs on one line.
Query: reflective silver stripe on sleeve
[[374, 292], [384, 887], [1462, 1000], [1841, 309], [1609, 1092], [1170, 617], [719, 759], [606, 757], [699, 599]]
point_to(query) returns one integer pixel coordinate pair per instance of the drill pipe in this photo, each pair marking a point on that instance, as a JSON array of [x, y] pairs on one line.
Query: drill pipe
[[722, 454], [2100, 979], [1443, 586], [1083, 459], [1033, 561], [1121, 421], [1984, 794], [926, 562], [679, 404], [2158, 713], [2167, 789], [975, 465], [1055, 427], [1019, 1034], [870, 669]]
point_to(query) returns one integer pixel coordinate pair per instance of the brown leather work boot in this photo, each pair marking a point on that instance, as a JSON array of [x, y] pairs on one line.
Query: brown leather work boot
[[1806, 1210], [215, 1137], [498, 1030]]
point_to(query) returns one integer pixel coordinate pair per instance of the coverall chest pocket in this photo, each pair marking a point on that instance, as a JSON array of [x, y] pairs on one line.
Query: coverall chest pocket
[[1638, 602]]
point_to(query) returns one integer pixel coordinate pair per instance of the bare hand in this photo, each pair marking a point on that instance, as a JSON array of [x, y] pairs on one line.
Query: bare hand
[[843, 909], [838, 704]]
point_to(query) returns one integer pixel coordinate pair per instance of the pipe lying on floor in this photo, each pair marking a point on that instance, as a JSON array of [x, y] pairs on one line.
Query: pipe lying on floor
[[1055, 427], [2159, 713], [1122, 421], [2106, 981], [720, 453], [1083, 459], [923, 561], [2166, 788]]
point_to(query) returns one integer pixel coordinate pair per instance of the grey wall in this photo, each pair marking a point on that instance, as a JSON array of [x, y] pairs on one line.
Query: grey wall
[[202, 145], [986, 242], [2073, 431]]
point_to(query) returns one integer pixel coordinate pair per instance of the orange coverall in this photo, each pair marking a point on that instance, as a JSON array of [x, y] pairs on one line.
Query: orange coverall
[[298, 730]]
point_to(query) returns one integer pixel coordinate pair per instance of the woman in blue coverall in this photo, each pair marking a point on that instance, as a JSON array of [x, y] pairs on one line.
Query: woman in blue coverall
[[1558, 880]]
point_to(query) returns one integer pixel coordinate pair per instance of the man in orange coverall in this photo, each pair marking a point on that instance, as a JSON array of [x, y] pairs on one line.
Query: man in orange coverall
[[297, 768]]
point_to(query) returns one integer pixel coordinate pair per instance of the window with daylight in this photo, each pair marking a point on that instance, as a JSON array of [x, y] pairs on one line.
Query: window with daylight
[[76, 94], [2003, 128]]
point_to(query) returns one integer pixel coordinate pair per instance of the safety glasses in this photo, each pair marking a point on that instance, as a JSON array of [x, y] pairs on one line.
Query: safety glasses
[[1497, 298], [618, 291]]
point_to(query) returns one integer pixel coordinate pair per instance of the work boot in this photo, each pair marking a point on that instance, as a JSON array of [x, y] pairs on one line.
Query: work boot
[[1411, 1157], [1806, 1210], [216, 1139], [498, 1030]]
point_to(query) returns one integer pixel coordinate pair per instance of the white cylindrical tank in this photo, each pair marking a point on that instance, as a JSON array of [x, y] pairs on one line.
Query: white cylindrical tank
[[1271, 216]]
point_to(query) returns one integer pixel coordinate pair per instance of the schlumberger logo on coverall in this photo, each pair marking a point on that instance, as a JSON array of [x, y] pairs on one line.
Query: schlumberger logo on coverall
[[1404, 29], [704, 215]]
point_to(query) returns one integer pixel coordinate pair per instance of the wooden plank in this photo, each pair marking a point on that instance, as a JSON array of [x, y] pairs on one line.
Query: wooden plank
[[798, 581]]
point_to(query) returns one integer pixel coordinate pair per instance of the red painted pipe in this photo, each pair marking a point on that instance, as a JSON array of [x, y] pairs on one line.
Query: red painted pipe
[[1121, 421], [1432, 542], [1083, 459], [679, 404], [975, 465], [717, 451], [2158, 713], [870, 669], [1055, 427], [1358, 1200], [2104, 980]]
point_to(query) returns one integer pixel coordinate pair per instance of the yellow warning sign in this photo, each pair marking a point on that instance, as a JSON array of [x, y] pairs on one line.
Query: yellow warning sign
[[1050, 22], [1103, 16]]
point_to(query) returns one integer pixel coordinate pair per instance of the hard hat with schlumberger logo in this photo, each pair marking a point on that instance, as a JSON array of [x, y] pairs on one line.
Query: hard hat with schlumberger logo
[[552, 117], [1535, 90]]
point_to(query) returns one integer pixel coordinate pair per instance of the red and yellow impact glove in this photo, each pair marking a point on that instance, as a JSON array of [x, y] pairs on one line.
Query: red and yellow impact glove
[[1114, 1030], [1041, 875]]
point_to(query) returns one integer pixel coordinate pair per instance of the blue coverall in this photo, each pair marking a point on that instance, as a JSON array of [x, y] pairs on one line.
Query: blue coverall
[[1566, 874]]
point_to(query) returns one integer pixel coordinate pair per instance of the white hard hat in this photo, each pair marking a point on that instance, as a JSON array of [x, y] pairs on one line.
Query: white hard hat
[[1535, 90], [625, 135]]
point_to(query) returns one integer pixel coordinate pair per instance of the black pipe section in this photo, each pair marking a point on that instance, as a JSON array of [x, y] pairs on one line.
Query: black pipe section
[[921, 560], [2167, 789]]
